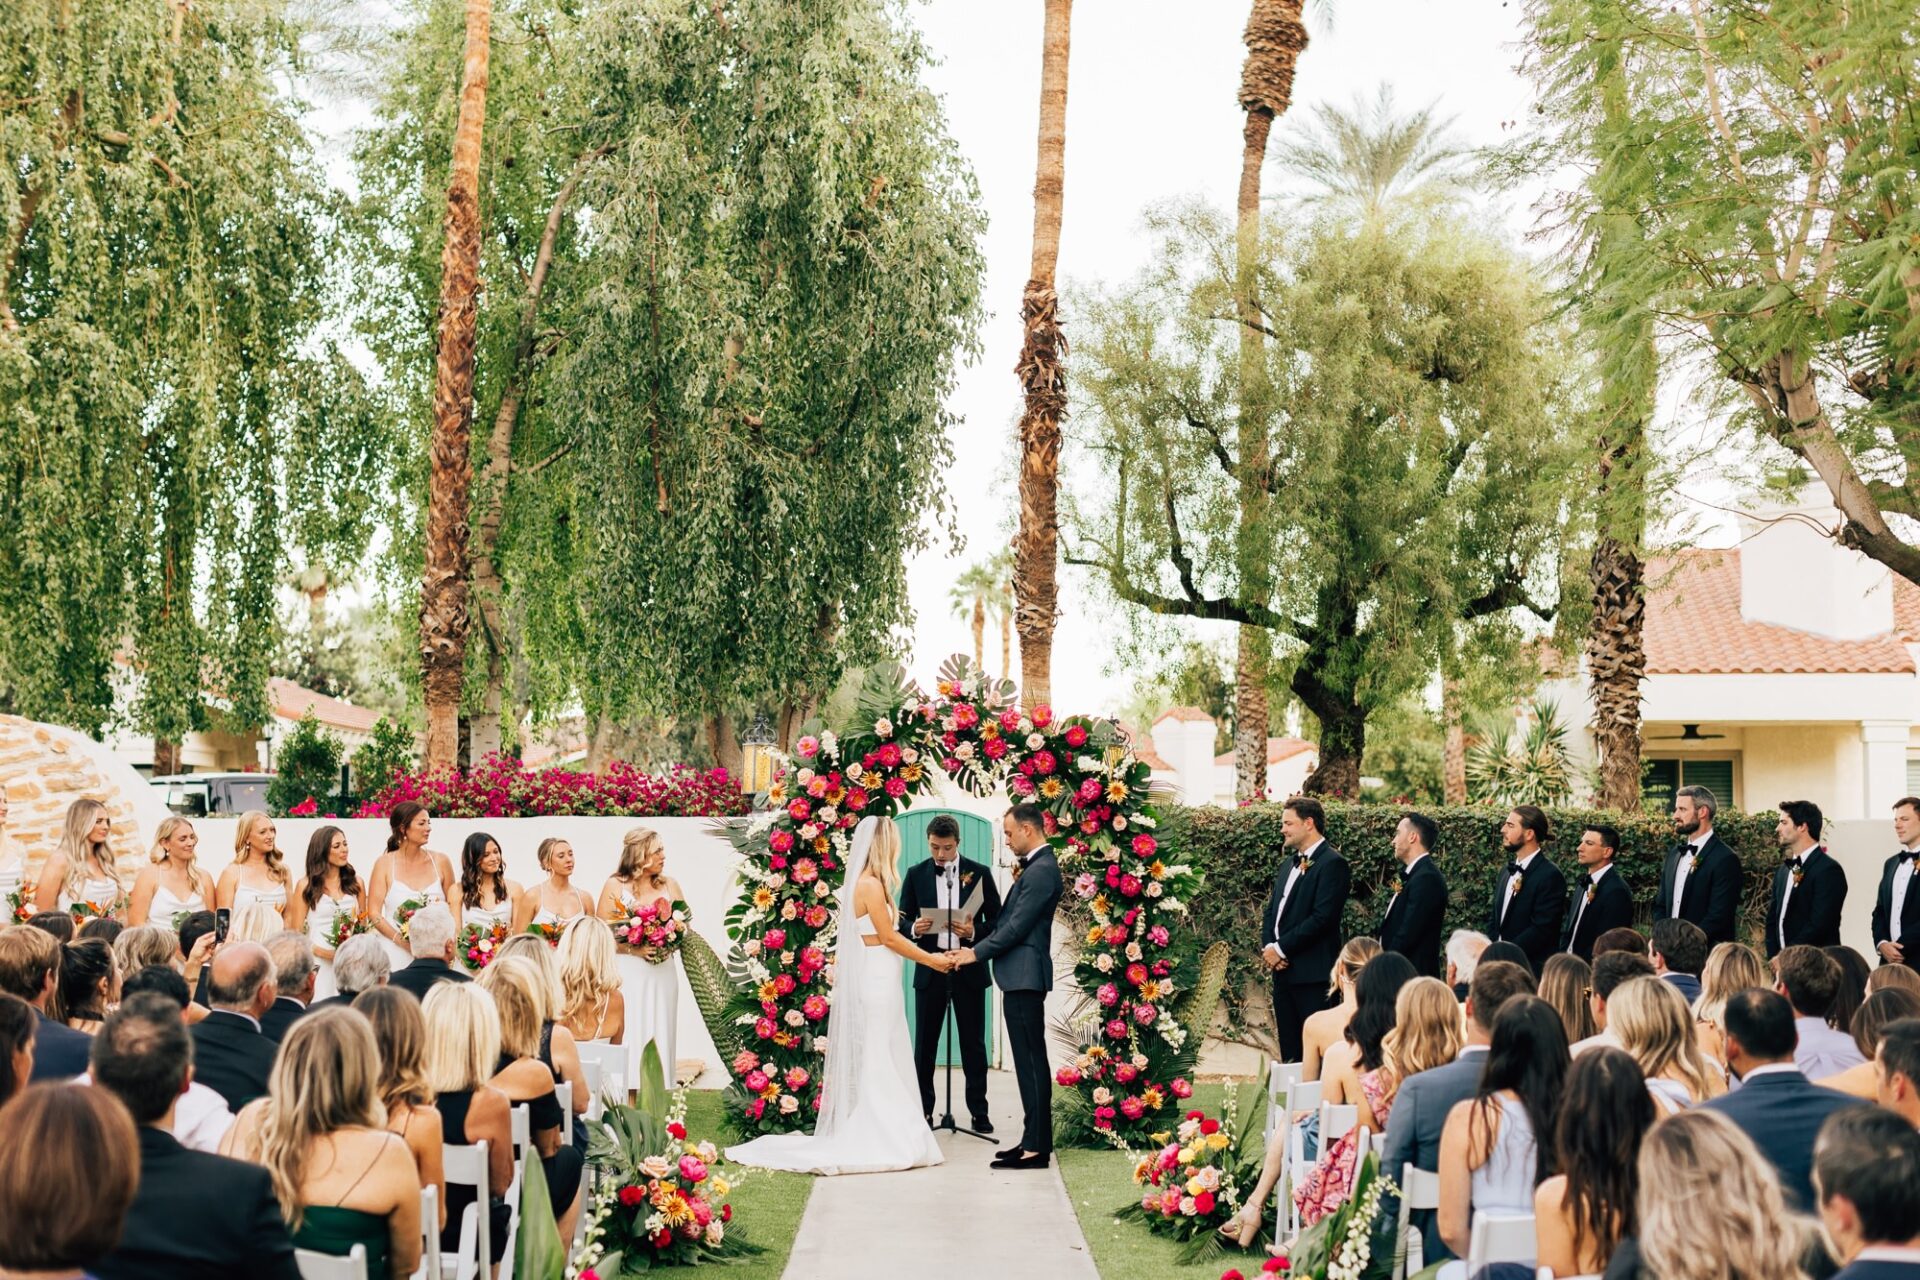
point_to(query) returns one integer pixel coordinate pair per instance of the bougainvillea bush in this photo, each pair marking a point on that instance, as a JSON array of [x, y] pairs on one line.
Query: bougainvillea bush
[[1093, 791], [502, 787]]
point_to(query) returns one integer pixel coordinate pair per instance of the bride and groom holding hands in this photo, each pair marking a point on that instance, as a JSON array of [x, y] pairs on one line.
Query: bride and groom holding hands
[[874, 1102]]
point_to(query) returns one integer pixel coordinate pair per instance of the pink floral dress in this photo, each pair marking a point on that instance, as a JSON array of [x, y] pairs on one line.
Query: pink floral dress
[[1330, 1181]]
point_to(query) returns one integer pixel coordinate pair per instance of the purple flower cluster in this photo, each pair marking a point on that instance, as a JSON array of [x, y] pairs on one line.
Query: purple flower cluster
[[502, 787]]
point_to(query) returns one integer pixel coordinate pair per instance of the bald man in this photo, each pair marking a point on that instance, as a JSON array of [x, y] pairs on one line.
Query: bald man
[[231, 1056]]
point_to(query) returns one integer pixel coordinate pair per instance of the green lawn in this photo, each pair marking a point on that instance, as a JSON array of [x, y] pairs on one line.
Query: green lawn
[[767, 1205], [1099, 1182]]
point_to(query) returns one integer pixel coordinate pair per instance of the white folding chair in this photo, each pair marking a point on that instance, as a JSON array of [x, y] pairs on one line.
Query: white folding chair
[[522, 1122], [563, 1092], [1419, 1189], [468, 1166], [429, 1268], [325, 1266], [1335, 1119], [594, 1073], [1501, 1237], [1301, 1098], [1280, 1075], [607, 1055]]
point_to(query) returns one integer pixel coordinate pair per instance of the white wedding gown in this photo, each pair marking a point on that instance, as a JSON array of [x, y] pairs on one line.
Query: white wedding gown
[[870, 1120]]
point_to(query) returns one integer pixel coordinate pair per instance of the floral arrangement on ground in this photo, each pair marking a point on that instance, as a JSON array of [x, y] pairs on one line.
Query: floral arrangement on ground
[[891, 746], [502, 787], [1354, 1242], [1194, 1177]]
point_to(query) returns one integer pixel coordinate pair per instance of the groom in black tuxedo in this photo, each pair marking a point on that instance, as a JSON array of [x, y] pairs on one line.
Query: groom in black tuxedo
[[1300, 933], [947, 881]]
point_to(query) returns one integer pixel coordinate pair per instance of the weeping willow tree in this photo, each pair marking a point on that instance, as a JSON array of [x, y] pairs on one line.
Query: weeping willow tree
[[174, 424]]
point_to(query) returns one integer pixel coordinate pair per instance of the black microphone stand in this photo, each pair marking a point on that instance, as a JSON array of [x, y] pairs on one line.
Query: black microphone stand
[[950, 1045]]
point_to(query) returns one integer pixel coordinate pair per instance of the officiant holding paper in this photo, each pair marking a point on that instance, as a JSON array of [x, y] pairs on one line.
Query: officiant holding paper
[[947, 903]]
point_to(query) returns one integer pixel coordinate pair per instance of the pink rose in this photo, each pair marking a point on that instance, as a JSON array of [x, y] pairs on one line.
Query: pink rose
[[1108, 994], [1076, 736], [1144, 845], [1144, 1014], [1132, 1108], [807, 748], [692, 1170], [1117, 1029], [756, 1081], [780, 841], [896, 787], [1042, 716], [1066, 1077], [814, 1008], [799, 809], [797, 1078], [776, 938]]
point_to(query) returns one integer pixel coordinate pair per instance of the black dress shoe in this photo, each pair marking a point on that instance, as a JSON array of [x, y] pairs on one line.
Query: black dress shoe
[[1023, 1162], [1008, 1154], [982, 1125]]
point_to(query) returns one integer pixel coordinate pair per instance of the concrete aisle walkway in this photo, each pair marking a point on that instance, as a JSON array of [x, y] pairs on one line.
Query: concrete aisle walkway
[[958, 1218]]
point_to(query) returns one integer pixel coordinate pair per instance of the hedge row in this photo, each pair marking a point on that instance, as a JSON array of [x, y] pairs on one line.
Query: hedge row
[[1238, 850]]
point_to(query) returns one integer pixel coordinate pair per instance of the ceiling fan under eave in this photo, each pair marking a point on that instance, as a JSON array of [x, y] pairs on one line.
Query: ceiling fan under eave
[[1688, 733]]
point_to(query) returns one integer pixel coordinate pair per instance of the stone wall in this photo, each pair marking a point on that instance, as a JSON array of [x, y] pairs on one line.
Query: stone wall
[[45, 768]]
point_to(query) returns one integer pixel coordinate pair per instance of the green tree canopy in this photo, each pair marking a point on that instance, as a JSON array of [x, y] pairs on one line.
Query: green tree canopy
[[173, 422], [1419, 436]]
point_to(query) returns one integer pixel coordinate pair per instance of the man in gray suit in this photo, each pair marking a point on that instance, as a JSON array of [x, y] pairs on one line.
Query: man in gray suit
[[1021, 948], [1420, 1109]]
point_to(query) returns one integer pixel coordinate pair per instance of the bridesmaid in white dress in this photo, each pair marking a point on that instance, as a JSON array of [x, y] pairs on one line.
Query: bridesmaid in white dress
[[13, 860], [330, 889], [82, 868], [553, 901], [486, 895], [258, 873], [174, 886], [408, 869], [651, 991]]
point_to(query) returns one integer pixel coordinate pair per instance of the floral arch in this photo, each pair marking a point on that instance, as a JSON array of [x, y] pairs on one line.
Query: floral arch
[[1130, 898]]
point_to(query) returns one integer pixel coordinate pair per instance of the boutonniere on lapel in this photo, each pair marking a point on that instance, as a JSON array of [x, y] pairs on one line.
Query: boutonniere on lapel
[[1799, 871], [1590, 892], [967, 878], [1394, 885], [1306, 865]]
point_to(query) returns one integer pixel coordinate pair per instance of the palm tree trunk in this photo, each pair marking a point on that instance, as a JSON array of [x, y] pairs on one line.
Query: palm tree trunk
[[979, 634], [1042, 373], [1006, 646], [443, 590], [1275, 37]]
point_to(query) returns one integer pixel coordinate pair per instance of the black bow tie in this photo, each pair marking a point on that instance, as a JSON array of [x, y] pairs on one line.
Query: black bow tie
[[1905, 855], [1514, 869], [1791, 862], [1594, 879]]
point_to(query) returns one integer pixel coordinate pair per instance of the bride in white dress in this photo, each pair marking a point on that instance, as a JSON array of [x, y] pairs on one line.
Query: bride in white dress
[[870, 1119]]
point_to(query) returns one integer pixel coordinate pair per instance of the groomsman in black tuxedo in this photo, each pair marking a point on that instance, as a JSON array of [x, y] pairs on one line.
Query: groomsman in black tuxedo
[[1530, 898], [1809, 889], [1419, 903], [1601, 899], [947, 881], [1700, 882], [1896, 909], [1300, 932]]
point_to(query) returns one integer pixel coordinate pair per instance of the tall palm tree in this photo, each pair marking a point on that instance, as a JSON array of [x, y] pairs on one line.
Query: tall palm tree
[[970, 594], [1368, 157], [1275, 37], [1043, 379], [444, 616]]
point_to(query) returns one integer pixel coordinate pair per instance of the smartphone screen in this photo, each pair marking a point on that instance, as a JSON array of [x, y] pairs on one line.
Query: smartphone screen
[[220, 921]]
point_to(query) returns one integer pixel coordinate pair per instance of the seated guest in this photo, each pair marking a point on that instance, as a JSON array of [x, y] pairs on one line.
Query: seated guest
[[105, 928], [1866, 1173], [200, 1116], [360, 965], [1610, 971], [1678, 949], [57, 925], [197, 939], [516, 987], [1731, 968], [1708, 1206], [400, 1032], [1464, 949], [1776, 1105], [1424, 1101], [1881, 1009], [1512, 954], [1564, 984], [558, 1049], [463, 1048], [430, 937], [1498, 1145], [1322, 1030], [89, 985], [146, 944], [1620, 938], [1810, 980], [195, 1214], [341, 1179], [30, 971], [593, 1010], [1854, 972], [1582, 1213], [1651, 1022], [68, 1170], [1898, 1066], [230, 1054], [16, 1045], [294, 973], [1903, 976], [254, 922]]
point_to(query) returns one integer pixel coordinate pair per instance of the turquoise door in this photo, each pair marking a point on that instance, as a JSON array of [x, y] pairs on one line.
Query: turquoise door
[[976, 842]]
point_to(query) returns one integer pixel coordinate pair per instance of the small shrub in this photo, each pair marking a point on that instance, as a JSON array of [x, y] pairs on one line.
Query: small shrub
[[306, 767]]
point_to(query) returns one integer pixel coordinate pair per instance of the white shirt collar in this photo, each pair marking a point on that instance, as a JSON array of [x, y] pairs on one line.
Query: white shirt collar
[[1594, 876], [1889, 1253], [1695, 843], [1772, 1069], [1416, 862], [1912, 848], [1528, 860], [1312, 849]]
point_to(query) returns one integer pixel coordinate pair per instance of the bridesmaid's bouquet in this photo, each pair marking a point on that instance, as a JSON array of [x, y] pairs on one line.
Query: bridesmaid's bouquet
[[404, 913], [550, 932], [659, 926], [345, 925], [479, 943], [20, 905], [82, 911]]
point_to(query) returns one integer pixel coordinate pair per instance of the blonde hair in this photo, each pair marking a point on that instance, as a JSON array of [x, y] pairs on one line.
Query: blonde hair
[[1353, 958], [1709, 1204], [255, 922], [145, 945], [1899, 976], [545, 850], [325, 1078], [587, 970], [1649, 1019], [463, 1037], [276, 864], [541, 953], [1426, 1029], [514, 983], [76, 848], [883, 855], [168, 826], [636, 847], [400, 1033], [1731, 968]]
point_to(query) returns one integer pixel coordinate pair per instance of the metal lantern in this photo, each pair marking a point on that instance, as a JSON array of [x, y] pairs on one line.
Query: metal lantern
[[757, 756]]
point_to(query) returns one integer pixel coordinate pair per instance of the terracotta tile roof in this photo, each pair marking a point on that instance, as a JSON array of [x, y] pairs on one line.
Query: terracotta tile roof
[[1278, 749], [1142, 745], [291, 701], [1694, 626], [1182, 713]]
